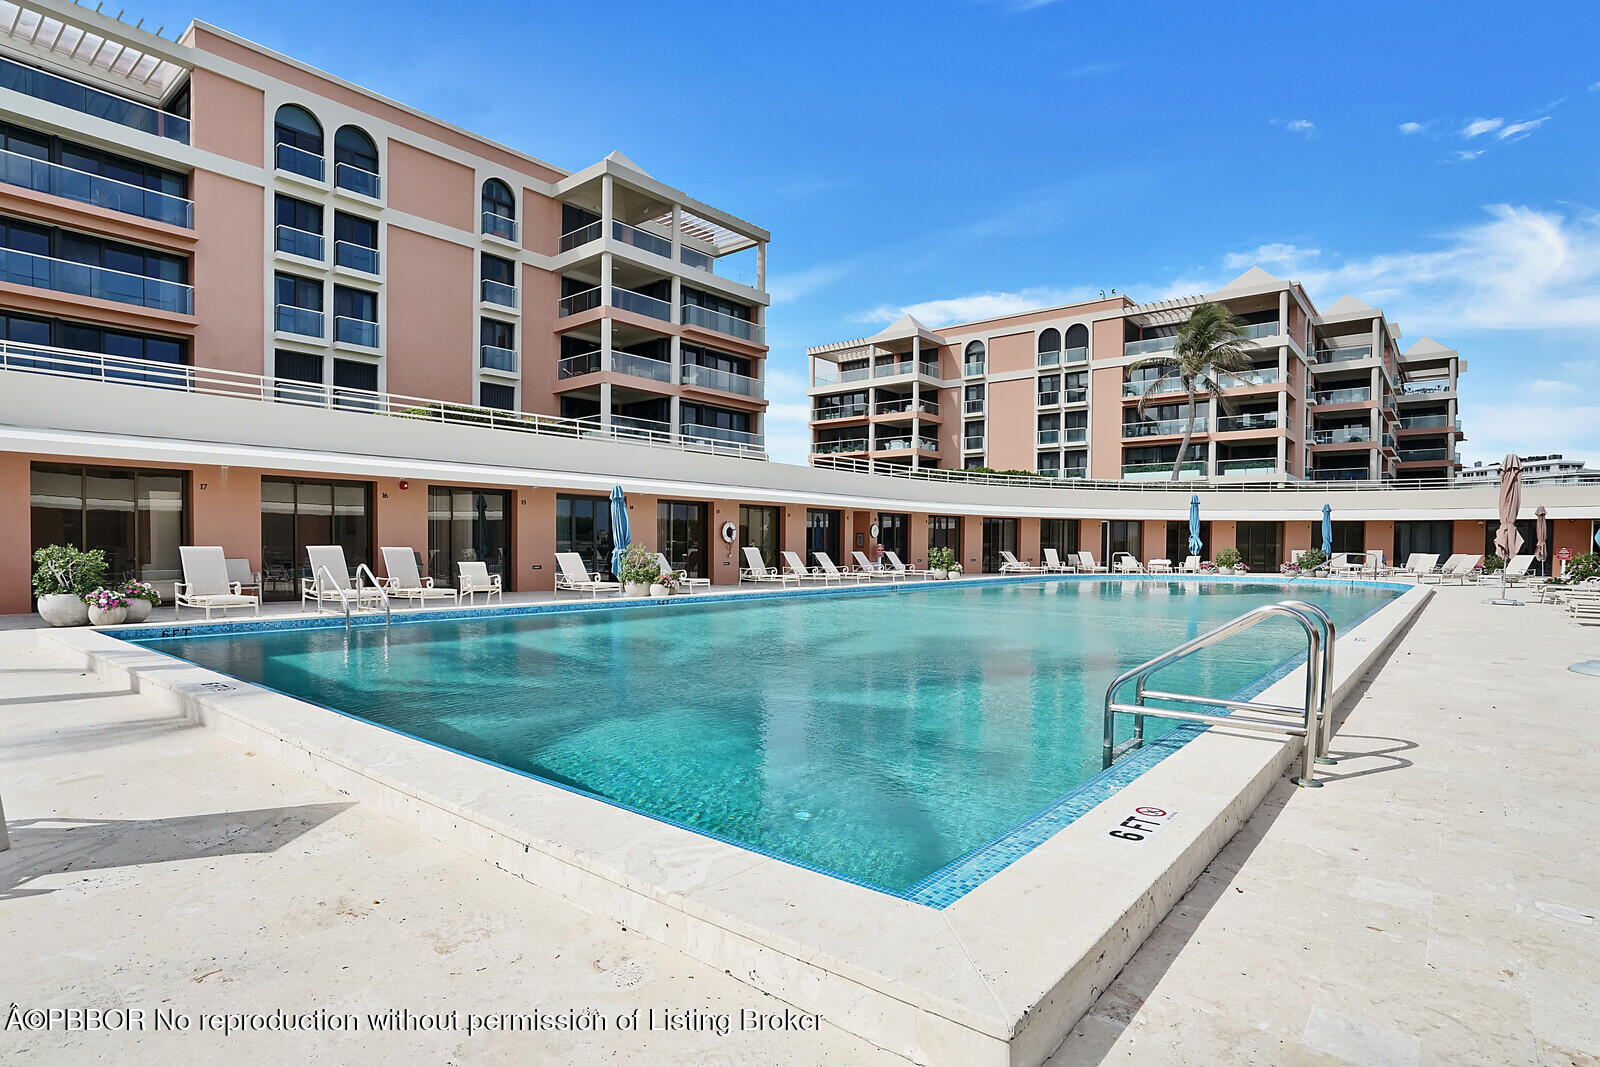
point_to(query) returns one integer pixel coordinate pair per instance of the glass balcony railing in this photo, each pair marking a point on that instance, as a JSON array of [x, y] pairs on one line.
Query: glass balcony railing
[[1074, 472], [356, 257], [1162, 427], [1050, 399], [499, 226], [1049, 437], [1357, 395], [575, 303], [493, 357], [353, 179], [1344, 355], [641, 366], [972, 407], [1263, 465], [302, 243], [1424, 455], [972, 444], [42, 176], [1265, 420], [1255, 331], [890, 444], [972, 370], [1049, 359], [1074, 396], [841, 411], [907, 406], [855, 374], [1148, 345], [721, 435], [628, 300], [1074, 355], [351, 331], [294, 160], [829, 448], [499, 293], [1342, 435], [582, 235], [1340, 474], [695, 315], [1074, 435], [1427, 422], [1147, 470], [726, 381], [1246, 379], [305, 322], [693, 257], [1425, 387], [1156, 386], [100, 283], [52, 89], [574, 366], [641, 239]]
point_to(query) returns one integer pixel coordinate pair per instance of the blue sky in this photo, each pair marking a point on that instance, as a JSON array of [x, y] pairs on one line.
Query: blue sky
[[1441, 161]]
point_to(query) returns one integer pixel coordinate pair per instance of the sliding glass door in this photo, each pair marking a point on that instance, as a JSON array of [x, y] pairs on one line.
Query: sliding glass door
[[681, 536], [466, 525], [296, 513]]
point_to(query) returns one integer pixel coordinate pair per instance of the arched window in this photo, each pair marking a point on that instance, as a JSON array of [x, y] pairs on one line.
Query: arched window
[[354, 147], [974, 358], [1078, 336], [295, 126], [497, 199], [1050, 341]]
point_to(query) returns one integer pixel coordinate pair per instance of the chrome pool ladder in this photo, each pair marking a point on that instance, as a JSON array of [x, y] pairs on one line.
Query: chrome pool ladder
[[344, 598], [1311, 726]]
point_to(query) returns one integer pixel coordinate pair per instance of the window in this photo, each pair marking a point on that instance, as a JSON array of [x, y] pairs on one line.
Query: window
[[1261, 545], [1435, 537], [1347, 536], [296, 513], [973, 433], [350, 374], [681, 536], [1059, 534], [1119, 535], [693, 297], [974, 357], [944, 531], [298, 228], [693, 355], [999, 535], [138, 518], [583, 525], [822, 533], [93, 251], [295, 291], [355, 162], [759, 529], [1050, 340], [1178, 539], [289, 367], [467, 525], [295, 126], [351, 303], [1049, 390], [1077, 346], [497, 199], [497, 334], [894, 534], [496, 269], [355, 242], [494, 395]]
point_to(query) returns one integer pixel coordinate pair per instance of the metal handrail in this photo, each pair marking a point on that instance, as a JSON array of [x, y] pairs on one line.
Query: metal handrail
[[1315, 729], [337, 588], [362, 568]]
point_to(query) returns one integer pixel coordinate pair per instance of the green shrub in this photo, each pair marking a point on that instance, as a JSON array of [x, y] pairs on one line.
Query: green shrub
[[1492, 564], [1312, 558], [941, 559], [64, 569], [1581, 568], [640, 565], [1229, 557]]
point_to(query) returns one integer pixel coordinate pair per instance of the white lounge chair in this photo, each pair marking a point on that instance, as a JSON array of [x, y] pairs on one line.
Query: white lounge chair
[[1517, 569], [330, 582], [1086, 563], [574, 577], [1339, 563], [758, 571], [240, 574], [1464, 571], [1054, 562], [1010, 564], [871, 569], [407, 583], [682, 576], [1439, 574], [797, 568], [205, 583], [1191, 564], [1159, 565], [832, 573], [894, 563], [473, 577], [1126, 563], [1418, 564]]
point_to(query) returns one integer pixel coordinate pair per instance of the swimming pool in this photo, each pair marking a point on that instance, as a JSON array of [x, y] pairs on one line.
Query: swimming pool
[[914, 740]]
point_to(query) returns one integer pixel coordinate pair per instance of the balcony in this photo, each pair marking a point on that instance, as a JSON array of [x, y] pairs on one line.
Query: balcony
[[1255, 331], [581, 364], [1429, 422], [840, 411], [1356, 395], [906, 405], [658, 370], [972, 407], [972, 370], [726, 381], [972, 444], [641, 239], [356, 257], [832, 448], [693, 257], [1236, 467], [1340, 474], [640, 304], [303, 322], [1162, 428], [1049, 359], [1155, 386], [1074, 355], [706, 319], [351, 331], [1265, 420], [1344, 355], [721, 435], [577, 303], [1050, 399], [1344, 435], [1048, 437], [1162, 470], [93, 189], [855, 374], [499, 226], [499, 293], [492, 357], [302, 243], [1074, 435], [1426, 388], [85, 100], [580, 236], [891, 444], [100, 283], [1249, 378], [353, 179], [1148, 346], [292, 160], [1425, 455]]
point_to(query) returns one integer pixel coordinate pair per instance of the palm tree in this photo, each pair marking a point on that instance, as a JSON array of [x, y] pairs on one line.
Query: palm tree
[[1208, 345]]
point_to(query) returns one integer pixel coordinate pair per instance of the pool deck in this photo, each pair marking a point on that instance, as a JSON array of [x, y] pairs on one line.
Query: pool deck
[[1434, 903]]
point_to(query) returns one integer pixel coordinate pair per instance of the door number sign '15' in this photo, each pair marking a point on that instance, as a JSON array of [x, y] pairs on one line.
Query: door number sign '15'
[[1140, 824]]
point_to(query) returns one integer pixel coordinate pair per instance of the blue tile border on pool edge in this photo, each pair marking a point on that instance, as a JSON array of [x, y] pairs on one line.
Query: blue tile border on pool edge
[[938, 890]]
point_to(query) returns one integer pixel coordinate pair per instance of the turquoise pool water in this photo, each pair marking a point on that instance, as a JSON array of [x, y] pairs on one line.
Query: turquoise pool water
[[879, 738]]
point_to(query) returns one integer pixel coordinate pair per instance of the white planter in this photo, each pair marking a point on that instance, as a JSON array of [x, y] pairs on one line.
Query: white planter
[[636, 588], [139, 610], [108, 616], [659, 590], [940, 576], [1224, 570], [64, 609]]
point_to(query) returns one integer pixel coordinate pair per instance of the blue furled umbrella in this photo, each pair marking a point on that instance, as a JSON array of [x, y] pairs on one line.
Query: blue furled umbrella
[[1597, 537], [1327, 529], [1194, 525], [620, 536]]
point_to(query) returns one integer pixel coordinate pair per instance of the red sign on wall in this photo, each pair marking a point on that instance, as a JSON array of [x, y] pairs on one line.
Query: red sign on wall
[[1563, 554]]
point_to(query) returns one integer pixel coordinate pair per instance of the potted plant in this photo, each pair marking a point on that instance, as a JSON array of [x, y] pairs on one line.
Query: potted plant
[[61, 575], [942, 561], [1207, 567], [1313, 559], [107, 607], [1229, 560], [639, 571], [665, 584], [141, 598]]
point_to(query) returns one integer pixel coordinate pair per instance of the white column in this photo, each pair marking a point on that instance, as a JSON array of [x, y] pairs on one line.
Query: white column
[[675, 414], [676, 297], [1283, 313], [605, 404], [761, 265], [607, 200], [605, 343], [677, 234]]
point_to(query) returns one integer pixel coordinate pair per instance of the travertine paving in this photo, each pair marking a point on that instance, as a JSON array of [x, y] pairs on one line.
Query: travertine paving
[[1438, 902]]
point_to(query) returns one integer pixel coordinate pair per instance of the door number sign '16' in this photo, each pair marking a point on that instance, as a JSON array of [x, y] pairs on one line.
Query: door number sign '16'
[[1141, 824]]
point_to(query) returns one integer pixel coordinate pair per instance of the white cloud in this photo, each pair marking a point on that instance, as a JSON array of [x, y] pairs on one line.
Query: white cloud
[[1283, 257], [1523, 128], [1480, 126], [1595, 88], [974, 306], [787, 288], [788, 432], [1301, 126], [1467, 157], [1412, 127], [1550, 386]]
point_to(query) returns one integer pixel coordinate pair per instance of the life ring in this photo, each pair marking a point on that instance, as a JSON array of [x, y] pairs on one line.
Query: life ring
[[729, 532]]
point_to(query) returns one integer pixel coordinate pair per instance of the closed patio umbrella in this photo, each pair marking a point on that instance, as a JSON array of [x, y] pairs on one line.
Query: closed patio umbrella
[[1327, 529], [1195, 546], [1507, 541], [621, 536], [1541, 546]]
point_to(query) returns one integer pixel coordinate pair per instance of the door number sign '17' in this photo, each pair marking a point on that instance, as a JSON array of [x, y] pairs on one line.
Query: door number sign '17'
[[1141, 824]]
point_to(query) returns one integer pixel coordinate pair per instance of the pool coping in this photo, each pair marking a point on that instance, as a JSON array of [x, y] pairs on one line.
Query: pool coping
[[998, 976]]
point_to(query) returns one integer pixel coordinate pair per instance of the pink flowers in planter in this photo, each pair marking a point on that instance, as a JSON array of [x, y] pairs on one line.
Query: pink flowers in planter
[[105, 599]]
